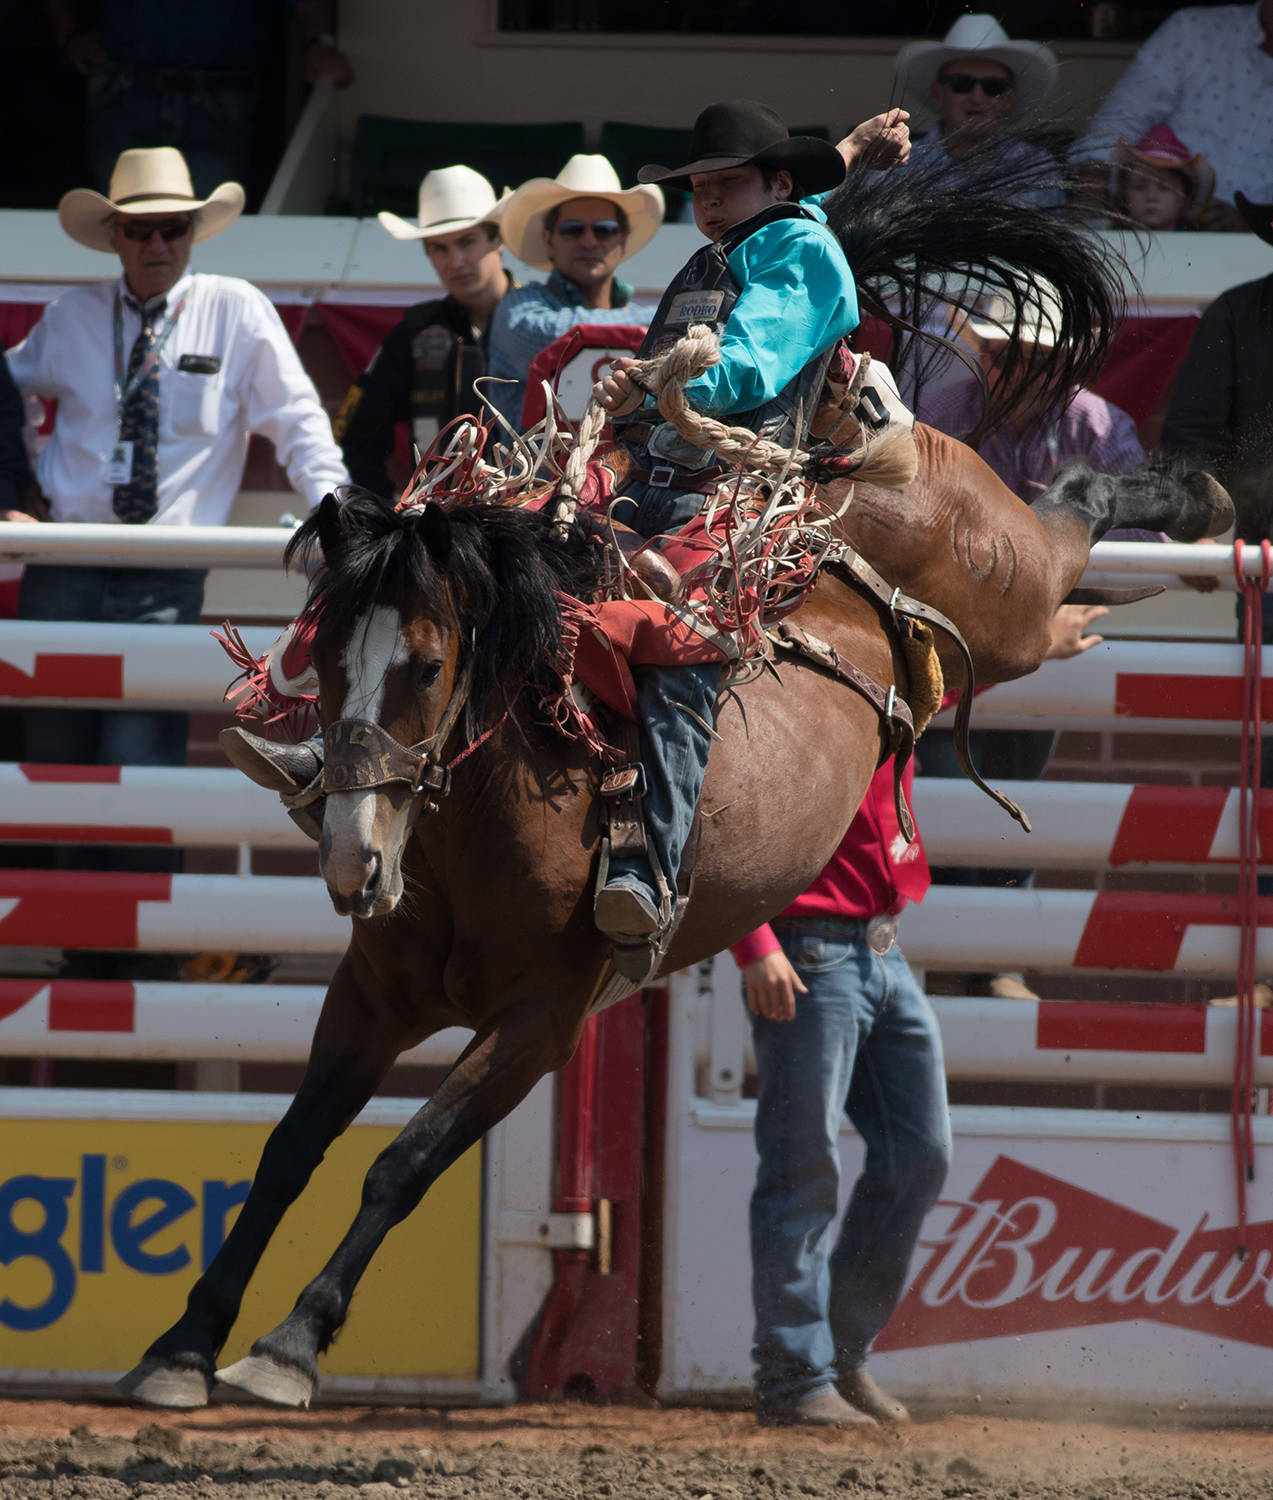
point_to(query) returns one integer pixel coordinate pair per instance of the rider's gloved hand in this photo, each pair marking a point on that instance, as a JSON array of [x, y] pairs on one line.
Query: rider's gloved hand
[[617, 392]]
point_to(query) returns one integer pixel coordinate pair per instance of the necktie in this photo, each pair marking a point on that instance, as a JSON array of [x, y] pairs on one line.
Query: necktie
[[138, 500]]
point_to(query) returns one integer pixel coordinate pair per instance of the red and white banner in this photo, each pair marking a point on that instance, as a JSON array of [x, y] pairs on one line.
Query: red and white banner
[[1126, 685], [236, 1022], [168, 913], [1082, 824], [140, 805], [982, 929], [110, 666]]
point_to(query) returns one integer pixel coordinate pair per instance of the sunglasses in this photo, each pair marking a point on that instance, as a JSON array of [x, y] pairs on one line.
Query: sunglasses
[[140, 230], [964, 83], [604, 229]]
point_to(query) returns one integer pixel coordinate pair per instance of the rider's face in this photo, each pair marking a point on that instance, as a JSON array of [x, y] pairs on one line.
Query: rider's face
[[723, 199]]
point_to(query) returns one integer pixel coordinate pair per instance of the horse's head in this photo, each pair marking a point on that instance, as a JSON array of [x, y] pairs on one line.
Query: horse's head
[[427, 624], [391, 688]]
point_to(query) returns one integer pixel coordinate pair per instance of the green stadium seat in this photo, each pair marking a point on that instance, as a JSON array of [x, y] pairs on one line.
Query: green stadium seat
[[391, 155]]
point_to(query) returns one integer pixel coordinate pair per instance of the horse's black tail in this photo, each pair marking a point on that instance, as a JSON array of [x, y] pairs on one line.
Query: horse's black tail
[[933, 238]]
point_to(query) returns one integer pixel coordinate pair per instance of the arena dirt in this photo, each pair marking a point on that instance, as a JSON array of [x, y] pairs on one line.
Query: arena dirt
[[573, 1452]]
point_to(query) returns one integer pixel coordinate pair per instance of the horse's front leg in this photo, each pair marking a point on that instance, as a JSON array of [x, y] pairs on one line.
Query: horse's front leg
[[354, 1046], [532, 1036]]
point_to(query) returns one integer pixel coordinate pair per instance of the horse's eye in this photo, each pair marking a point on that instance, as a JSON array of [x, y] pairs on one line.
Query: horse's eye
[[429, 671]]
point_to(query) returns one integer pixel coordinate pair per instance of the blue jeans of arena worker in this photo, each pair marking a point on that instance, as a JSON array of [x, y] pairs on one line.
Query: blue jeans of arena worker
[[676, 704], [93, 737], [864, 1042]]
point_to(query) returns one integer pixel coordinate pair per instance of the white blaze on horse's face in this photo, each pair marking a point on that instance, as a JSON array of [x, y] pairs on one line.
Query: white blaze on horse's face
[[362, 844]]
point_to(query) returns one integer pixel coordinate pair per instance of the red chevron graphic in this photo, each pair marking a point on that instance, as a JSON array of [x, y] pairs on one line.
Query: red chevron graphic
[[1031, 1253]]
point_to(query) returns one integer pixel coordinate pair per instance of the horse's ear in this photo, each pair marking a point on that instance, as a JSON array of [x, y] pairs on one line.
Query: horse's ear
[[435, 530], [331, 528]]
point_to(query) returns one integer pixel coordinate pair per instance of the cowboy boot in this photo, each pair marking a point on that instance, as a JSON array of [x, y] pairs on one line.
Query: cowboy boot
[[286, 769]]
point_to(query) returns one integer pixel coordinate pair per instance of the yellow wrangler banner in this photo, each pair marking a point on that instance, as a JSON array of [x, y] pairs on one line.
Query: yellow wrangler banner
[[104, 1226]]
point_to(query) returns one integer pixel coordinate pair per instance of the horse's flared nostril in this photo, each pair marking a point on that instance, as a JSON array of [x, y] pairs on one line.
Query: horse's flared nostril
[[375, 864]]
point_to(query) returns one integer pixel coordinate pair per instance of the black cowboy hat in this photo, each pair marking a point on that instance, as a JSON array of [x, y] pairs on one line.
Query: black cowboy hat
[[1259, 216], [742, 132]]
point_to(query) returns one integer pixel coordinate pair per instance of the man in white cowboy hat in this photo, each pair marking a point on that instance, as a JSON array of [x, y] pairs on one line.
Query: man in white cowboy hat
[[979, 81], [580, 225], [160, 375], [424, 371]]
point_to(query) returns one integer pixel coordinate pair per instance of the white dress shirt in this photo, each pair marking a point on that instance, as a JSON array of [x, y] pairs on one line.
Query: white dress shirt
[[1203, 73], [205, 419]]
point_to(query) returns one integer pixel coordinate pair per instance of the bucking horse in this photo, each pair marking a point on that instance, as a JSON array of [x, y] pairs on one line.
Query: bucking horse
[[461, 827]]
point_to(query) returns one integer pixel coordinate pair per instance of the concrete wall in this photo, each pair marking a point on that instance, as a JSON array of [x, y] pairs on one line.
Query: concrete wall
[[445, 60]]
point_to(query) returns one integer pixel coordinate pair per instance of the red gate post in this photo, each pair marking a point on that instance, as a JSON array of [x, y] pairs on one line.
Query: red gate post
[[587, 1340]]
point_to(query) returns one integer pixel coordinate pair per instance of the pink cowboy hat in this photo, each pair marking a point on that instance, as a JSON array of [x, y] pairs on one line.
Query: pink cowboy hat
[[1161, 147]]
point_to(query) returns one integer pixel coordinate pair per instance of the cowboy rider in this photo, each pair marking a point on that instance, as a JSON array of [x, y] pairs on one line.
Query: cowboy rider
[[775, 284], [776, 287]]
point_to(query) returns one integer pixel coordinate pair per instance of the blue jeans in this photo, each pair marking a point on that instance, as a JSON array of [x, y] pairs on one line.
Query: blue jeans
[[674, 743], [864, 1042], [110, 737]]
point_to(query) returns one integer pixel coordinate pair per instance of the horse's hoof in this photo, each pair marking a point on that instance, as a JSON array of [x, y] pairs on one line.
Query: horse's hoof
[[155, 1383], [259, 1376], [1217, 515]]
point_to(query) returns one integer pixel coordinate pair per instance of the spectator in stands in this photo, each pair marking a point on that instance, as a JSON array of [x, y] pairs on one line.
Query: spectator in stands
[[15, 468], [160, 376], [1221, 408], [1221, 414], [424, 371], [1206, 72], [980, 82], [580, 225], [840, 1027], [189, 76], [1039, 438], [1157, 184]]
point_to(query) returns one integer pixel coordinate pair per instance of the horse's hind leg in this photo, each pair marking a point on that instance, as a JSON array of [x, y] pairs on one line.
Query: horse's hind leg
[[496, 1071], [1162, 495], [351, 1052]]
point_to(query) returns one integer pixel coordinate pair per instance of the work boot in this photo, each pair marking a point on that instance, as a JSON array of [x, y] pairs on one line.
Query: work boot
[[818, 1409], [861, 1388], [286, 769], [626, 911]]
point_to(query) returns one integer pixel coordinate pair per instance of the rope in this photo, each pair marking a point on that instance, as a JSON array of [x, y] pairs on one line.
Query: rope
[[667, 377], [1249, 804]]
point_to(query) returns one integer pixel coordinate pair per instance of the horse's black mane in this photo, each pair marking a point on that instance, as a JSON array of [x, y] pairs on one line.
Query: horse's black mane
[[500, 568], [954, 230]]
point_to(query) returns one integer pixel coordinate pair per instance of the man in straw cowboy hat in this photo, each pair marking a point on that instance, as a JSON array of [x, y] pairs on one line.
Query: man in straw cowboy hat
[[775, 285], [160, 375], [581, 226], [424, 371], [979, 81]]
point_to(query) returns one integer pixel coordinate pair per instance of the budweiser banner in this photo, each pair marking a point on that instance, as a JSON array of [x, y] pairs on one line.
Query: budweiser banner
[[1080, 1256]]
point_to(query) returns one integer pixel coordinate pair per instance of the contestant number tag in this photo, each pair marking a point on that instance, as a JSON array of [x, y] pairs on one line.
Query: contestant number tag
[[119, 463]]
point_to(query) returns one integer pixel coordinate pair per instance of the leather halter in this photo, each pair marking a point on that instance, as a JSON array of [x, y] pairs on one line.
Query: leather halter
[[359, 756]]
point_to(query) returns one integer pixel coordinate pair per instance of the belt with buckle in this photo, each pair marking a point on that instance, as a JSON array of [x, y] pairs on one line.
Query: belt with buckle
[[672, 477]]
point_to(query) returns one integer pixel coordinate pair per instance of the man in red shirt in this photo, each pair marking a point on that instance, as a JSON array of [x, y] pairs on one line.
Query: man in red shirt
[[840, 1027]]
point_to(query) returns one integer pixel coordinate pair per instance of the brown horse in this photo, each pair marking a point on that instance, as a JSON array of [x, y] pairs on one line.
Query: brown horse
[[434, 630]]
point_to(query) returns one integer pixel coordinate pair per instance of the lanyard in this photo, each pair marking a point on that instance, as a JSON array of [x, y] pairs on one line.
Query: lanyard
[[123, 393]]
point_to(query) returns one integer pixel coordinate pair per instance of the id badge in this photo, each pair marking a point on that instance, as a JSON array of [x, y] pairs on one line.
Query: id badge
[[118, 463]]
